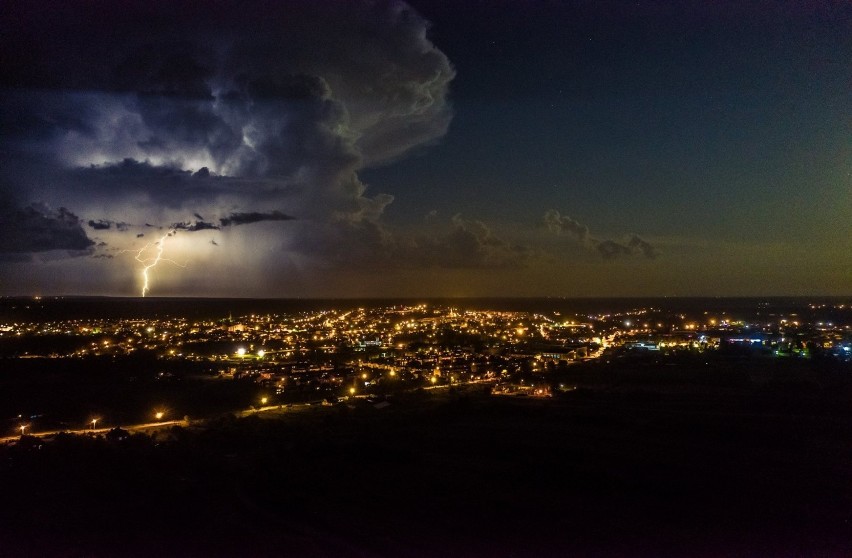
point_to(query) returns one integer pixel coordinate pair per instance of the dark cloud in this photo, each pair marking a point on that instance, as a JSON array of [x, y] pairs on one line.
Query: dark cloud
[[307, 93], [559, 224], [39, 229], [196, 226], [100, 224], [610, 249], [473, 244], [457, 244], [643, 246], [466, 244], [164, 185], [106, 224], [607, 248], [12, 257], [235, 219]]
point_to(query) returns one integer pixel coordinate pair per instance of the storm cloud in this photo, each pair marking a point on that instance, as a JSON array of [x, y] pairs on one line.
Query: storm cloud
[[210, 117], [214, 110], [253, 217], [106, 224], [195, 226], [269, 99], [100, 224], [40, 229]]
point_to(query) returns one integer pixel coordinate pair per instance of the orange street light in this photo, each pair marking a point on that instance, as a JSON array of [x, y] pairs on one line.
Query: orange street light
[[159, 415]]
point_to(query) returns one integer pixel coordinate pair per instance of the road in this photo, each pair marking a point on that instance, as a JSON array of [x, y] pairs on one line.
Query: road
[[129, 428], [164, 424]]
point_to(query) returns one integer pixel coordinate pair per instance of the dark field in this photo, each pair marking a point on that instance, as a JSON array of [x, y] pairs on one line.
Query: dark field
[[644, 467]]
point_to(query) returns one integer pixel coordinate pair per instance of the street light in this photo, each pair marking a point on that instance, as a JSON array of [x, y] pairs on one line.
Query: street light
[[23, 427], [159, 415], [94, 423], [263, 400], [352, 391]]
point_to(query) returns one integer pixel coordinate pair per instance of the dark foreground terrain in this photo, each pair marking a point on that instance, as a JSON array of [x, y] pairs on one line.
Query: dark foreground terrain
[[683, 470]]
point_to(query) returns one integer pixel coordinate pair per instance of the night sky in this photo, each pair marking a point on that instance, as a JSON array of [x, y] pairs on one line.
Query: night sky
[[358, 148]]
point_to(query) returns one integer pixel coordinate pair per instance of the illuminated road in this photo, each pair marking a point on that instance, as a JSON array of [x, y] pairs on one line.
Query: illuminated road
[[104, 430], [244, 412]]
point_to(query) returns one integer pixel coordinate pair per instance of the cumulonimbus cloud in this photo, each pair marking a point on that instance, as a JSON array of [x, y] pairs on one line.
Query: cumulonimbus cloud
[[216, 110]]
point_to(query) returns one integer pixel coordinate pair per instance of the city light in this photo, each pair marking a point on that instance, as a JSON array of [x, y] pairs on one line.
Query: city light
[[317, 373]]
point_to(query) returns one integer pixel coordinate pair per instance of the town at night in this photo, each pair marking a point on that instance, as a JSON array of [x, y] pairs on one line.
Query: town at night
[[373, 428]]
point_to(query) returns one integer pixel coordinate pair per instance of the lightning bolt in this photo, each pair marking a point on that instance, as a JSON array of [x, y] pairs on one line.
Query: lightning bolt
[[150, 261]]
